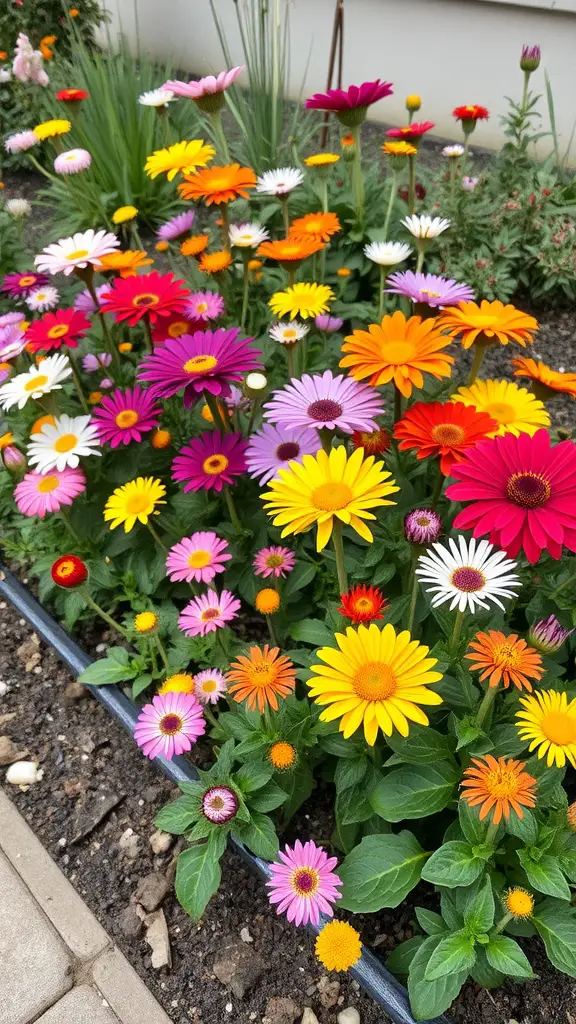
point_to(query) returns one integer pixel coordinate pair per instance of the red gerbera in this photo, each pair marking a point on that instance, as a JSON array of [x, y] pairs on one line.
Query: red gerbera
[[411, 131], [72, 95], [472, 112], [151, 295], [69, 571], [174, 326], [445, 430], [374, 442], [522, 493], [363, 604], [53, 330]]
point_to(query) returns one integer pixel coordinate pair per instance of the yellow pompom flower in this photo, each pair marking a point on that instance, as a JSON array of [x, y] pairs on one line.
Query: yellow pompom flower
[[413, 101], [267, 601], [182, 157], [94, 397], [124, 214], [282, 755], [125, 347], [145, 622], [321, 159], [304, 299], [6, 440], [179, 683], [338, 946], [48, 129], [515, 409], [519, 902], [548, 720], [161, 439], [134, 501]]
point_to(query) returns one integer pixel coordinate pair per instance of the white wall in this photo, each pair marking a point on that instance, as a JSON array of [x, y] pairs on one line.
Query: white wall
[[449, 51]]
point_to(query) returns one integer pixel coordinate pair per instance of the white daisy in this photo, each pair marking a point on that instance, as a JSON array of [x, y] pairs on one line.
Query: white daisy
[[156, 97], [280, 181], [423, 226], [387, 254], [80, 250], [453, 151], [61, 444], [289, 333], [247, 236], [37, 381], [467, 574], [18, 207], [42, 299]]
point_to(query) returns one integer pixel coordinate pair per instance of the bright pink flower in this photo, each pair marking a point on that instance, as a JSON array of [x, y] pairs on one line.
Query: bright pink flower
[[325, 400], [220, 804], [411, 132], [19, 286], [198, 557], [39, 493], [169, 725], [53, 330], [207, 86], [208, 612], [210, 461], [145, 295], [274, 561], [124, 416], [177, 226], [205, 306], [304, 884], [354, 96]]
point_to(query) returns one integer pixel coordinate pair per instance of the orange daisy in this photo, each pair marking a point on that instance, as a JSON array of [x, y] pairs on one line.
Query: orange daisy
[[445, 430], [505, 659], [491, 323], [315, 225], [218, 184], [194, 245], [290, 250], [498, 785], [214, 262], [546, 381], [400, 350], [363, 603], [124, 263], [261, 678]]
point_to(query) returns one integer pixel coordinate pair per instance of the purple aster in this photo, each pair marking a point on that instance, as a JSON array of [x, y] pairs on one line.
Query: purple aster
[[272, 448], [92, 363], [422, 526], [204, 306], [12, 341], [338, 403], [19, 286], [177, 226], [328, 324], [84, 302], [429, 288]]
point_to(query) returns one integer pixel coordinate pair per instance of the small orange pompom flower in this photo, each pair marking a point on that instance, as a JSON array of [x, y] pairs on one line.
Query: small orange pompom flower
[[194, 245], [363, 603], [215, 262], [218, 184], [315, 225]]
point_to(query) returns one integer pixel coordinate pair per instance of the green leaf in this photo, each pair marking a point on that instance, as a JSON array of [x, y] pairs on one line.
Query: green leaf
[[350, 772], [556, 925], [430, 922], [468, 732], [400, 958], [380, 872], [253, 775], [429, 999], [312, 631], [474, 830], [423, 746], [506, 740], [479, 914], [414, 791], [142, 682], [109, 671], [483, 974], [268, 798], [198, 874], [545, 875], [505, 955], [178, 816], [525, 828], [453, 954], [259, 836], [353, 805], [454, 864], [299, 578], [455, 693], [335, 744]]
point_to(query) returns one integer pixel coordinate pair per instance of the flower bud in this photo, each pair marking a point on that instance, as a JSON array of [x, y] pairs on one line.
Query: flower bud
[[530, 58], [422, 526], [548, 635], [255, 385], [14, 461], [328, 324], [413, 102]]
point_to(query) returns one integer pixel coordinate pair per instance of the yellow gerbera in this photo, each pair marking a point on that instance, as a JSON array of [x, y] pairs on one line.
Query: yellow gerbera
[[549, 722], [48, 129], [325, 486], [133, 501], [182, 156], [516, 409], [399, 148], [303, 299], [377, 677], [321, 159], [124, 214]]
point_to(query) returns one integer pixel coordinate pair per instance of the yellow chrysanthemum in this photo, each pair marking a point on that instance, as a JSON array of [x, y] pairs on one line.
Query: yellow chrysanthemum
[[399, 148], [48, 129], [303, 299], [378, 678], [134, 501], [179, 683], [549, 722], [321, 159], [282, 755], [182, 157], [327, 486], [519, 902], [145, 622], [124, 213], [338, 946], [516, 409]]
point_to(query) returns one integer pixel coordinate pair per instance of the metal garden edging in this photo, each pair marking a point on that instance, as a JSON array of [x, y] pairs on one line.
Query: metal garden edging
[[369, 971]]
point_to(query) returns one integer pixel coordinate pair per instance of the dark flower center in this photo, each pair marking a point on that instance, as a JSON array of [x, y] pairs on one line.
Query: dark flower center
[[468, 579], [145, 300], [324, 409], [305, 881], [288, 450], [529, 490]]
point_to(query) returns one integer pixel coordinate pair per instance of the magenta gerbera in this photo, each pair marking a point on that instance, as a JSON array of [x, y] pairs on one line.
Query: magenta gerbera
[[198, 557], [338, 403], [304, 884], [274, 561], [18, 286], [209, 685], [274, 447], [204, 306], [210, 461], [350, 104], [176, 227], [40, 493], [522, 493], [208, 612], [124, 416], [429, 288], [169, 725]]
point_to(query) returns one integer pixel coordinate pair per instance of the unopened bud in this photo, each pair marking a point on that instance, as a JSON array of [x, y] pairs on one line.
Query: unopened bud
[[413, 102], [14, 460], [530, 57]]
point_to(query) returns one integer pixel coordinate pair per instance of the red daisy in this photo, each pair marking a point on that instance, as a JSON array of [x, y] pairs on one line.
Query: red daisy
[[174, 326], [72, 95], [69, 571], [363, 603], [522, 493], [53, 330], [446, 430], [472, 112], [411, 132], [151, 295]]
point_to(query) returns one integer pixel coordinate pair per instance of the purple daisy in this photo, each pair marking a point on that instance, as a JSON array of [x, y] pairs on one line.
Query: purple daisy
[[169, 725], [304, 884], [94, 362], [274, 561], [176, 227], [220, 804], [18, 286], [124, 416], [208, 612], [12, 341], [204, 306], [337, 403], [273, 448], [429, 288], [210, 461], [84, 303]]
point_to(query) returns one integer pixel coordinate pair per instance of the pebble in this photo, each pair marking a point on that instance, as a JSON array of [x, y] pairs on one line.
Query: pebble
[[24, 773], [160, 842], [349, 1016], [100, 648], [281, 1010], [228, 1007], [245, 935], [3, 689], [129, 844], [309, 1017], [151, 891]]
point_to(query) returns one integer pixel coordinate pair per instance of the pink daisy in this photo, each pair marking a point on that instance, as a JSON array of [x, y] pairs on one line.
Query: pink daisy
[[304, 884], [84, 302], [169, 725], [92, 363], [337, 403], [12, 341], [429, 288], [204, 305], [208, 612], [209, 686], [18, 286], [124, 416], [344, 100], [220, 804], [198, 557], [39, 493], [177, 226], [174, 326], [208, 86], [210, 461], [274, 561], [273, 448]]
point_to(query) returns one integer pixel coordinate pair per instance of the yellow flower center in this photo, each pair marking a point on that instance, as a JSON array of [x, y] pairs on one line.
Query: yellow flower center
[[177, 329], [448, 434], [519, 902], [398, 352], [501, 783], [314, 226], [427, 291], [137, 503], [215, 464], [502, 412], [305, 882], [78, 254], [58, 331], [48, 484], [559, 728], [290, 333], [199, 559], [200, 364], [262, 673], [202, 307], [331, 496], [26, 281], [66, 569], [375, 681], [274, 561], [506, 656], [210, 613], [363, 604], [65, 443], [126, 418], [209, 686], [169, 725], [36, 382]]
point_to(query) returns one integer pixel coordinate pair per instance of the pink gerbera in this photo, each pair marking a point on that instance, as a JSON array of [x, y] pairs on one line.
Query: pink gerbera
[[350, 104], [522, 493], [176, 227], [272, 448], [169, 725], [304, 884], [124, 416], [168, 328], [211, 86], [208, 612], [210, 461], [204, 306], [18, 286], [274, 561], [39, 493], [337, 403], [198, 557], [51, 331]]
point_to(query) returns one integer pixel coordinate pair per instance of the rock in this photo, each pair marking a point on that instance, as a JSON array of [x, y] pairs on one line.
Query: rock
[[158, 939], [151, 891], [3, 689], [9, 752], [329, 991], [24, 773], [349, 1016], [92, 811], [129, 846], [281, 1010], [74, 787], [239, 967], [74, 691], [29, 653], [160, 842], [245, 935], [131, 923], [309, 1017]]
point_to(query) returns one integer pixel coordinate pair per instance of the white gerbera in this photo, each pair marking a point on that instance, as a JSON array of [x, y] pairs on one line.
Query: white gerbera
[[80, 250], [468, 574], [453, 151], [288, 334], [37, 381], [18, 207], [423, 226], [61, 444], [156, 97], [387, 254], [42, 299], [280, 181], [247, 236]]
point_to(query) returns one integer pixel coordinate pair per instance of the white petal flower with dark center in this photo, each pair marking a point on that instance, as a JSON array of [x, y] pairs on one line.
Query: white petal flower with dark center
[[61, 444], [387, 254], [35, 382], [280, 181], [423, 226], [469, 574]]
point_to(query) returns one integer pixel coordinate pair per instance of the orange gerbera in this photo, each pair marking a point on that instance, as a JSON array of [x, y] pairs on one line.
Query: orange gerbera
[[194, 245], [499, 785], [505, 659], [218, 184], [290, 250], [124, 263], [214, 262], [261, 678], [489, 323], [400, 350], [546, 381], [315, 225], [445, 430]]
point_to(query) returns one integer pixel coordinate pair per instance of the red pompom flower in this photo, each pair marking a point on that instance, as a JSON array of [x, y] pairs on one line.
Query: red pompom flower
[[363, 603], [63, 327], [72, 95], [69, 571], [152, 295], [472, 112]]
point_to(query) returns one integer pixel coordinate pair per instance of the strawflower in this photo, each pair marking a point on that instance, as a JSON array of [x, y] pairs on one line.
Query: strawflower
[[62, 444], [156, 97], [210, 461], [218, 184], [199, 557], [489, 323], [273, 447], [215, 262], [424, 226], [194, 245], [422, 526], [515, 410], [18, 207], [124, 416], [274, 561], [148, 295], [69, 572], [170, 725], [338, 946], [279, 182], [315, 225], [321, 159], [288, 334], [209, 686], [363, 604], [77, 252], [146, 622], [467, 574], [498, 786], [469, 114], [64, 327], [387, 254], [519, 903], [430, 289], [282, 755], [260, 678], [35, 382], [374, 442], [51, 129], [443, 430], [40, 493], [546, 382], [20, 142], [219, 804], [504, 659], [182, 157], [453, 152], [303, 884], [72, 161], [325, 401], [134, 502], [72, 95], [548, 635], [209, 612]]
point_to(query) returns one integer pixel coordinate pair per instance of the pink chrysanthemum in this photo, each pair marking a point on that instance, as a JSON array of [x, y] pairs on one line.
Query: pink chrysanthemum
[[207, 86], [522, 493], [208, 612], [209, 686], [84, 302], [210, 461], [72, 161], [338, 403], [204, 361], [39, 493], [304, 884], [274, 561], [12, 341], [273, 448], [124, 416], [176, 226], [219, 804], [169, 725], [198, 557], [341, 100], [21, 141], [429, 288], [204, 306], [18, 286]]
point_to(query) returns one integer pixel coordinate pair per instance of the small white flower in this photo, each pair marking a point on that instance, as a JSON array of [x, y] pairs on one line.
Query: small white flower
[[18, 207], [42, 299], [247, 236], [80, 250], [280, 181], [61, 444], [423, 226], [5, 75], [156, 97], [453, 151], [37, 381], [21, 141], [288, 334], [469, 575], [387, 254]]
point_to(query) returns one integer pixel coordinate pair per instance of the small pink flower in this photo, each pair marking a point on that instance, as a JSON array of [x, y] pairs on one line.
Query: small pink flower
[[198, 557], [209, 686], [208, 612], [219, 804], [124, 416], [204, 86], [169, 725], [92, 363], [176, 227], [85, 303], [304, 884], [204, 306], [275, 561], [210, 461], [39, 493]]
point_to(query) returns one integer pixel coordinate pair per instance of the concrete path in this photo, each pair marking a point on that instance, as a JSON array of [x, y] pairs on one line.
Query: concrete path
[[57, 964]]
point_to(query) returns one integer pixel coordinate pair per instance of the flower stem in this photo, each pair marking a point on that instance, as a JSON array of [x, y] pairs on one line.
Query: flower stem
[[219, 421], [78, 385], [162, 651], [148, 335], [246, 288], [411, 183], [225, 226], [414, 594], [271, 631], [234, 518], [68, 524], [291, 275], [485, 705], [111, 348], [397, 404], [285, 214], [454, 639], [157, 539], [103, 615], [479, 350], [253, 411], [219, 133], [339, 552], [210, 716], [438, 486], [290, 356], [381, 293], [357, 176], [501, 924], [324, 185], [390, 203], [491, 835], [420, 259]]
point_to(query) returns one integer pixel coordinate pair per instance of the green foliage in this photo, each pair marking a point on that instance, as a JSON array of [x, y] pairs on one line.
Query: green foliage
[[380, 872]]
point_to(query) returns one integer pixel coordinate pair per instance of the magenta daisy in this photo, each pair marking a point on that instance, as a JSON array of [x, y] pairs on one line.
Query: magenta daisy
[[304, 884], [350, 104], [39, 493], [198, 557], [204, 361], [219, 804], [169, 725], [176, 227], [209, 686], [338, 403], [274, 447], [18, 286], [204, 306], [274, 561], [429, 289], [208, 612], [124, 416], [210, 461]]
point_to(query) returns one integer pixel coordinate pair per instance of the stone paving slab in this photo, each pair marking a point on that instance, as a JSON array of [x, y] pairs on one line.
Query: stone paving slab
[[83, 1005], [125, 991]]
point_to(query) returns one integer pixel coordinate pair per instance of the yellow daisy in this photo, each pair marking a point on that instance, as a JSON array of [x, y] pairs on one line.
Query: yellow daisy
[[182, 156], [516, 409], [303, 299], [327, 486], [400, 148], [321, 159], [377, 677], [124, 214], [549, 722], [133, 501], [48, 129]]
